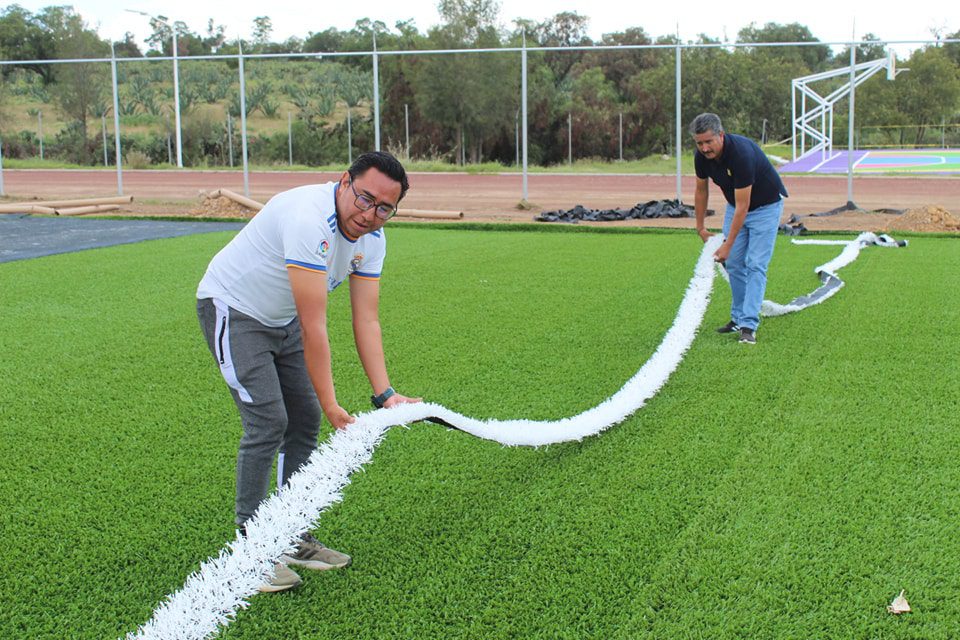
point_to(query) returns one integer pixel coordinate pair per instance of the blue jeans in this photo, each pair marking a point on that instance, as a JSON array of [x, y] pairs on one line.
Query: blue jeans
[[748, 261]]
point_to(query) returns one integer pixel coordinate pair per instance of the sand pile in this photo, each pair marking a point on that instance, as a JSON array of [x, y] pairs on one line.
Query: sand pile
[[926, 218], [221, 207]]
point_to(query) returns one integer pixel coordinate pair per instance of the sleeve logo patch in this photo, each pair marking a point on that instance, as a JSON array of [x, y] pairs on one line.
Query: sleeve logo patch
[[355, 263], [323, 248]]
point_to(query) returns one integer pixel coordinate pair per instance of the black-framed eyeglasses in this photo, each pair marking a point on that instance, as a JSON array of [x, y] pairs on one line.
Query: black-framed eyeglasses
[[365, 203]]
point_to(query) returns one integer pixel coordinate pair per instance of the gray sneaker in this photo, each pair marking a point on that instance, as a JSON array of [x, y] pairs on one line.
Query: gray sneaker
[[748, 336], [283, 578], [311, 554], [730, 327]]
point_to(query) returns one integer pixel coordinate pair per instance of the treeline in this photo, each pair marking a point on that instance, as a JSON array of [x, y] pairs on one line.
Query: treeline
[[464, 107]]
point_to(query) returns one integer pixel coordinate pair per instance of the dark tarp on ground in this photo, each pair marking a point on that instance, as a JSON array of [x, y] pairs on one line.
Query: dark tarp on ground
[[643, 210]]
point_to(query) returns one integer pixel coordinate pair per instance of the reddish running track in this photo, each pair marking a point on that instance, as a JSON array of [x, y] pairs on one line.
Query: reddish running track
[[487, 196]]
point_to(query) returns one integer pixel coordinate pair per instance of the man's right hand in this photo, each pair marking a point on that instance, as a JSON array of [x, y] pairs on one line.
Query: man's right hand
[[339, 417], [704, 234]]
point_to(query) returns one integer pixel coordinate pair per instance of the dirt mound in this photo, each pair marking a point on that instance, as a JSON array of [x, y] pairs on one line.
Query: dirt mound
[[926, 218], [221, 207]]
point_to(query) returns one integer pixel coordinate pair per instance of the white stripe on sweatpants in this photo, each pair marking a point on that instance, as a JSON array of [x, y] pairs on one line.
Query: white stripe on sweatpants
[[221, 345]]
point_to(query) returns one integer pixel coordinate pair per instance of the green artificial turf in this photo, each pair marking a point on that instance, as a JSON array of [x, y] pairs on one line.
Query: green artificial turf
[[786, 490]]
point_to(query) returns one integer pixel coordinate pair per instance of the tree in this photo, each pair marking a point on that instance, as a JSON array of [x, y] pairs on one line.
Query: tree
[[869, 50], [812, 56], [23, 36], [80, 86], [930, 91], [127, 48], [262, 29]]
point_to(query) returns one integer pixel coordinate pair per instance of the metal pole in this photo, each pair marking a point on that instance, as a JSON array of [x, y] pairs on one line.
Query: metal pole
[[40, 131], [793, 118], [243, 120], [621, 136], [349, 138], [569, 138], [853, 95], [523, 102], [103, 130], [2, 192], [290, 138], [176, 96], [406, 127], [803, 117], [116, 120], [678, 118], [376, 95], [230, 136]]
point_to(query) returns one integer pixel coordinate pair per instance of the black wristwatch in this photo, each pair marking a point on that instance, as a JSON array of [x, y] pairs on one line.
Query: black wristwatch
[[379, 400]]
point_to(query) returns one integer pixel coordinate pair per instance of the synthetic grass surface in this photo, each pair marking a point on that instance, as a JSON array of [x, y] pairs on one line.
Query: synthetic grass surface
[[788, 490]]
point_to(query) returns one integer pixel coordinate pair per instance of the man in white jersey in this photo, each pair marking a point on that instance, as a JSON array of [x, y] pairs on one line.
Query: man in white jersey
[[262, 305]]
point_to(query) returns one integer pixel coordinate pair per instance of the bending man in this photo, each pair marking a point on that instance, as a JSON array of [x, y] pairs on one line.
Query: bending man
[[262, 305], [754, 192]]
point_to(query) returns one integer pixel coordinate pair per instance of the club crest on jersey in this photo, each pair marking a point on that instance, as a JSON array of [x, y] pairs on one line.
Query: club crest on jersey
[[355, 263]]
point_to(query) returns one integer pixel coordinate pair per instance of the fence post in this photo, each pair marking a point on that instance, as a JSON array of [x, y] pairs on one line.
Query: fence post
[[621, 136], [349, 137], [176, 96], [2, 192], [376, 95], [853, 95], [679, 124], [290, 138], [40, 131], [116, 121], [569, 138], [406, 127], [230, 136], [523, 101], [103, 131], [243, 120]]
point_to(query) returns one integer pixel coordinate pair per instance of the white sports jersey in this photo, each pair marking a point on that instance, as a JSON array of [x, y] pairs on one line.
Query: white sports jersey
[[296, 229]]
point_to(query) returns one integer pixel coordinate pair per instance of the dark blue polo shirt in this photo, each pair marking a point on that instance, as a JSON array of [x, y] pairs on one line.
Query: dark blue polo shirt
[[742, 164]]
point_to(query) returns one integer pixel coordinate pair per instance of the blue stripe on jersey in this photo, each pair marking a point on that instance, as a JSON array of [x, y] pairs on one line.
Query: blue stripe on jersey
[[375, 234], [306, 265], [363, 274]]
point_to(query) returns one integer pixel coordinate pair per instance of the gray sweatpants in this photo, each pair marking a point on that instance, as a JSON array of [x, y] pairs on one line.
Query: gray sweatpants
[[266, 373]]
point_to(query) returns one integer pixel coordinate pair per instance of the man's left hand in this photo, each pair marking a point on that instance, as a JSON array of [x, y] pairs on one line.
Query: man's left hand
[[722, 253], [399, 399]]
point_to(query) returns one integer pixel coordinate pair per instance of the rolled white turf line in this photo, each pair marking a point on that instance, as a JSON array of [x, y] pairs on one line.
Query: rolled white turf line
[[827, 272], [210, 597]]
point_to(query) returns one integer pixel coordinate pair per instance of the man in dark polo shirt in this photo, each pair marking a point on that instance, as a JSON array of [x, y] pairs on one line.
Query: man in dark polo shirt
[[754, 193]]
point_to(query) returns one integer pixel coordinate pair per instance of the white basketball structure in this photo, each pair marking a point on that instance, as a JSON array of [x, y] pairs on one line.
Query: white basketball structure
[[816, 119]]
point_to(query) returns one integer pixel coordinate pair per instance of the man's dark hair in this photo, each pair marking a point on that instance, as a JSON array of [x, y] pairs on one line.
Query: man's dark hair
[[385, 164], [706, 122]]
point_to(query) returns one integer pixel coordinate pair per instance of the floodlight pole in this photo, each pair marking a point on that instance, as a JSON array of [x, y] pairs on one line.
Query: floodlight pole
[[243, 120], [116, 119]]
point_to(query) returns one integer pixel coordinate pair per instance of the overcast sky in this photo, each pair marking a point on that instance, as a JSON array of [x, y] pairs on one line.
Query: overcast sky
[[830, 21]]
